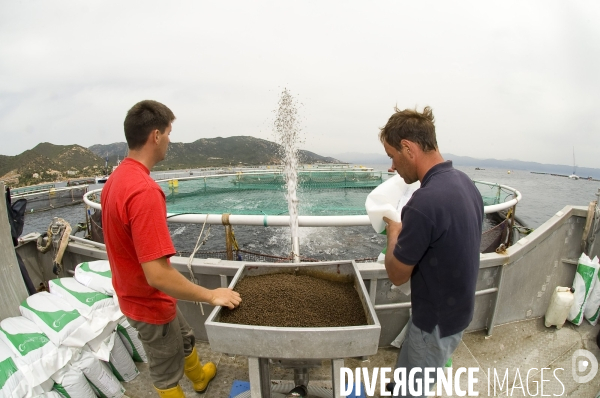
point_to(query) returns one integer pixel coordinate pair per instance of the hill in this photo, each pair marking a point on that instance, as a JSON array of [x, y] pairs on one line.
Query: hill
[[47, 162], [209, 152]]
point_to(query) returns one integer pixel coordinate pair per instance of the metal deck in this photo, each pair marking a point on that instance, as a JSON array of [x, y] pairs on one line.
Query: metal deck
[[524, 345]]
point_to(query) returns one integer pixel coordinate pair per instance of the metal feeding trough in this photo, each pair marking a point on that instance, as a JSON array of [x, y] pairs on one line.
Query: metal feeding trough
[[296, 347]]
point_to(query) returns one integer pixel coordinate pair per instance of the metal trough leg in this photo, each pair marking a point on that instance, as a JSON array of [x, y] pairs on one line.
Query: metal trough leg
[[260, 380], [301, 377], [492, 319], [336, 366]]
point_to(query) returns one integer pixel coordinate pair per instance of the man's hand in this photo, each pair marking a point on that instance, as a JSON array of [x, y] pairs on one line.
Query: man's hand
[[392, 228], [398, 272], [225, 297]]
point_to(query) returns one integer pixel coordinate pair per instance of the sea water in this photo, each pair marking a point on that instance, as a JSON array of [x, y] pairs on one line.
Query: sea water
[[543, 196]]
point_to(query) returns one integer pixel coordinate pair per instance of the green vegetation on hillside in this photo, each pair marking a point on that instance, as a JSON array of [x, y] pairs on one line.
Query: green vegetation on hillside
[[47, 162], [215, 152]]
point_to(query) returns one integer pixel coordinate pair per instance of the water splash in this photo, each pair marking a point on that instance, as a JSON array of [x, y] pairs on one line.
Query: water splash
[[287, 134]]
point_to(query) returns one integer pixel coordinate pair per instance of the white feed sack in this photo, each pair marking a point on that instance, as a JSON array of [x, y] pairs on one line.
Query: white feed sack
[[71, 383], [585, 278], [96, 275], [57, 318], [100, 377], [34, 353], [120, 361], [592, 305], [129, 336], [12, 380], [91, 304], [62, 323], [86, 300], [49, 394], [387, 200]]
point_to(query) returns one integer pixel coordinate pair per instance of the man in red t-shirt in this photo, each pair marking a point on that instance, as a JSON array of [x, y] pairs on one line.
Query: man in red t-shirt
[[139, 245]]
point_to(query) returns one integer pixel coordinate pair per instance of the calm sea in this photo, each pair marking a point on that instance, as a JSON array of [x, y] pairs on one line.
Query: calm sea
[[543, 196]]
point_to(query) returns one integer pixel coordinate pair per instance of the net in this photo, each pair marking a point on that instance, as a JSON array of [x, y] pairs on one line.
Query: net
[[319, 193], [493, 194], [51, 198]]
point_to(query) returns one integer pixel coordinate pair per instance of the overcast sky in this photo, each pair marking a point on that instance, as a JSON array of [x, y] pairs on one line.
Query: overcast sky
[[506, 80]]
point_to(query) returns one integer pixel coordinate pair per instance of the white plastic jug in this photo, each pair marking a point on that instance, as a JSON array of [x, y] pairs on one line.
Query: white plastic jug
[[560, 303], [387, 200]]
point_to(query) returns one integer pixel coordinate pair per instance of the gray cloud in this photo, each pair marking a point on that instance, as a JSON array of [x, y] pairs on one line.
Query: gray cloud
[[505, 80]]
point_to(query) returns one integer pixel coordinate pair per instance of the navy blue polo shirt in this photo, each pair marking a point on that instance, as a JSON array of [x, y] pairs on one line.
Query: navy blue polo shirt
[[440, 237]]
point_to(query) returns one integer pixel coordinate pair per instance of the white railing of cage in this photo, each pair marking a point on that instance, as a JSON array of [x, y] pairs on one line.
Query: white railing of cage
[[303, 221]]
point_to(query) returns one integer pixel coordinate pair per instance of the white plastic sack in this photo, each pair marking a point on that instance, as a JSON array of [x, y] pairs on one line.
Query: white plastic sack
[[35, 355], [97, 307], [49, 394], [87, 301], [71, 383], [101, 379], [387, 200], [133, 344], [585, 278], [96, 275], [592, 305], [12, 380], [120, 361], [63, 324], [57, 318]]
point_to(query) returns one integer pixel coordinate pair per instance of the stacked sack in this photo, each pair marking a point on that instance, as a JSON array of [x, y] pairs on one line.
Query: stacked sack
[[587, 292], [71, 342], [96, 275]]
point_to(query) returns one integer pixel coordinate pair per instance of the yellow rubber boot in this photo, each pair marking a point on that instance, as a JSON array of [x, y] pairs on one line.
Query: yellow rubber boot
[[175, 392], [199, 375]]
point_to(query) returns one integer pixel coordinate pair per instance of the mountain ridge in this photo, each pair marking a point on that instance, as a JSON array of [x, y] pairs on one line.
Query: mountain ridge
[[376, 158], [47, 162]]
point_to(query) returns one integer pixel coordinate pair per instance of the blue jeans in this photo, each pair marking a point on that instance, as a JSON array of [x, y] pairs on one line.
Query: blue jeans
[[424, 350]]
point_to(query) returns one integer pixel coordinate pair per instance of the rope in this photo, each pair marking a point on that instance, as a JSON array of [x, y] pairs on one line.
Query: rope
[[225, 219], [57, 235], [589, 230], [191, 258], [509, 213], [233, 240], [230, 241]]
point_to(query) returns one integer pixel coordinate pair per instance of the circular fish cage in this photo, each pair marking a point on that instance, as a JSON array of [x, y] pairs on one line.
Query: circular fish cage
[[327, 197]]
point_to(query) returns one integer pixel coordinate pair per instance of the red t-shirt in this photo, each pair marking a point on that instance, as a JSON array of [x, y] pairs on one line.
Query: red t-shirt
[[135, 231]]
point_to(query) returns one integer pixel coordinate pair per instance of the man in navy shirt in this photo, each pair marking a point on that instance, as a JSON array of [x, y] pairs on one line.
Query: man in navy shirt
[[436, 244]]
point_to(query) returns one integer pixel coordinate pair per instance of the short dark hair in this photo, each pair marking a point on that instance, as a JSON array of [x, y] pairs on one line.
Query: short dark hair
[[143, 118], [410, 125]]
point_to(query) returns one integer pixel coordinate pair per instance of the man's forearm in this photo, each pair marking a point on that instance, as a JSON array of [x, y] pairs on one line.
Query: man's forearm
[[398, 272], [162, 276], [177, 286]]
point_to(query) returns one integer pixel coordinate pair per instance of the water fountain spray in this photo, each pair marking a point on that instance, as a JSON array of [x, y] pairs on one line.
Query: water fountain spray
[[288, 134]]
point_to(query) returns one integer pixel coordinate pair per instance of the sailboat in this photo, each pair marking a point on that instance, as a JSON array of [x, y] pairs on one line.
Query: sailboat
[[574, 176], [102, 179]]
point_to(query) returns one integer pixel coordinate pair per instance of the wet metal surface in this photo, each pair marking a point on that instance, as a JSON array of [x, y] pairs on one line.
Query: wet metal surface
[[527, 346]]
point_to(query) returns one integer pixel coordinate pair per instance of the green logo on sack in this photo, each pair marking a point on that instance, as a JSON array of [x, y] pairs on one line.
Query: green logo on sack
[[7, 369], [587, 273], [87, 298], [26, 342], [86, 267], [56, 320]]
